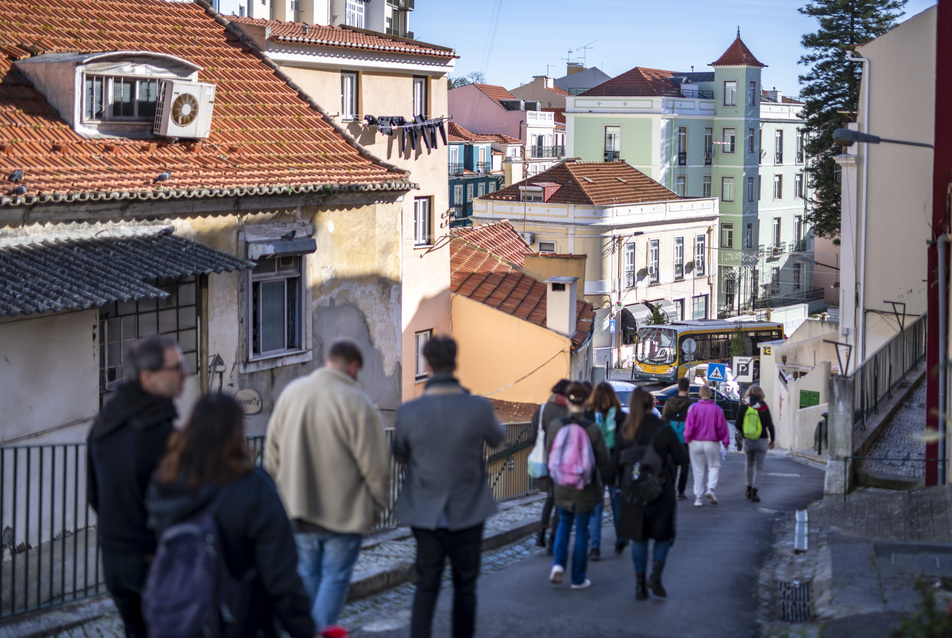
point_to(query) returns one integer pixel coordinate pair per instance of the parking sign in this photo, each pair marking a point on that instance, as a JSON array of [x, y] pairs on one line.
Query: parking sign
[[744, 369]]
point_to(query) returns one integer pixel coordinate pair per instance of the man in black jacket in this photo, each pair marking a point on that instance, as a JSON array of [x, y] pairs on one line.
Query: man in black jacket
[[125, 444], [675, 413]]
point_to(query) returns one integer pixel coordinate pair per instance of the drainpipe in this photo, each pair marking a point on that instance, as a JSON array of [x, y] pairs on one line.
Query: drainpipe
[[943, 246], [861, 337]]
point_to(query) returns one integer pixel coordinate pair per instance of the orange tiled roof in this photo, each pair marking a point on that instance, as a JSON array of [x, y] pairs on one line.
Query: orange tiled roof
[[638, 81], [484, 277], [495, 93], [592, 183], [265, 137], [784, 98], [344, 37], [461, 134], [737, 54], [499, 238], [558, 113]]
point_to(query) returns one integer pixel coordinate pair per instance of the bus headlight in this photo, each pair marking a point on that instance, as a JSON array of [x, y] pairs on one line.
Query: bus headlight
[[638, 368], [670, 371]]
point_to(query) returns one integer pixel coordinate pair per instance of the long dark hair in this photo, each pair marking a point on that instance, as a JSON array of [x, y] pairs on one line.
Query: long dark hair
[[641, 403], [210, 448], [604, 399]]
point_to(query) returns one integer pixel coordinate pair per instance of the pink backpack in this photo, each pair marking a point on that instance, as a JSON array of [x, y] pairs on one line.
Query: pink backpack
[[571, 459]]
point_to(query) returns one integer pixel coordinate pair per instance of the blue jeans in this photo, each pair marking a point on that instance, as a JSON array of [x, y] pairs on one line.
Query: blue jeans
[[639, 553], [580, 553], [325, 562], [596, 527]]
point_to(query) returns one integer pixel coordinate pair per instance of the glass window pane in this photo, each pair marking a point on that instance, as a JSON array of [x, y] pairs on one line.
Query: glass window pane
[[186, 317], [125, 308], [167, 321], [188, 339], [122, 105], [272, 315], [148, 324], [146, 99], [129, 327], [186, 293]]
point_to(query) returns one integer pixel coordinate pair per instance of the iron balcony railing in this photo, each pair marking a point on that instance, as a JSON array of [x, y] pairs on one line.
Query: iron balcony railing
[[456, 169], [708, 157], [612, 156], [50, 547], [875, 379], [484, 167], [682, 158], [547, 151]]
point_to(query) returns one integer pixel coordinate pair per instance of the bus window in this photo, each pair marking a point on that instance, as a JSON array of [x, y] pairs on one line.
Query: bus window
[[656, 346]]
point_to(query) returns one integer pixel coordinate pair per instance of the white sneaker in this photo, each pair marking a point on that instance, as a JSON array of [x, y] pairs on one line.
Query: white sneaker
[[585, 584], [555, 576], [711, 497], [698, 502]]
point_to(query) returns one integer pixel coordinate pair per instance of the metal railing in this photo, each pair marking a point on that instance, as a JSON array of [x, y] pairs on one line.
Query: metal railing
[[612, 156], [547, 151], [456, 169], [682, 158], [50, 545], [876, 378]]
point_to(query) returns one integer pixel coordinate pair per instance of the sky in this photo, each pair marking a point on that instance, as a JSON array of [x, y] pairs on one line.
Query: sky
[[511, 41]]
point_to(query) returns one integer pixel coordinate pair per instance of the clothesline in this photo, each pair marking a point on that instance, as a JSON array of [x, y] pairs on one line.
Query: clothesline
[[410, 130]]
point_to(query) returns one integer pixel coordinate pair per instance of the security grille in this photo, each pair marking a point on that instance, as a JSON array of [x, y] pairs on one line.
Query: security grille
[[794, 601]]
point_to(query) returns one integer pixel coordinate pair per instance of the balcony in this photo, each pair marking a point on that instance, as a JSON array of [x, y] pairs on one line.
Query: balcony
[[612, 156], [456, 169], [484, 167], [400, 33], [682, 158], [778, 158], [540, 152], [708, 157]]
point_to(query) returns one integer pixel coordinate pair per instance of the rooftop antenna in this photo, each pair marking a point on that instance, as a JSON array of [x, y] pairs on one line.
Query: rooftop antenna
[[580, 58], [738, 32]]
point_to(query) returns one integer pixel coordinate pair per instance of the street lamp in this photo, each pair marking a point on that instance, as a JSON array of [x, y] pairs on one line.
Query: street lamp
[[803, 259], [846, 137]]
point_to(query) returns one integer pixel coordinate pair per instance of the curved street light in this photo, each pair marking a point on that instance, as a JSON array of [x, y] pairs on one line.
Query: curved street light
[[803, 259], [846, 137]]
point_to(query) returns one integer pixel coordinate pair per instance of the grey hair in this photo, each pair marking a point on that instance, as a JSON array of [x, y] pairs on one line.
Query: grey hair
[[147, 354]]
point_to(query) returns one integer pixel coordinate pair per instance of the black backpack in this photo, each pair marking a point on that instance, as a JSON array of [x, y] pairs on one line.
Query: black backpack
[[189, 591], [642, 480]]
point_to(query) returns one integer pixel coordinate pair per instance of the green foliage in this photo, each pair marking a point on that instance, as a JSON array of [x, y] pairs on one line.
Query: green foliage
[[929, 621], [476, 77], [830, 90], [736, 344], [657, 317]]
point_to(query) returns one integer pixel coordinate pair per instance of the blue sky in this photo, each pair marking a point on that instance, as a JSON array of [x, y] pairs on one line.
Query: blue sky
[[513, 40]]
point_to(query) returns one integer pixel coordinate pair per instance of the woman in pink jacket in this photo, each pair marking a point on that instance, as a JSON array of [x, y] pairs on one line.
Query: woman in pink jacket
[[704, 430]]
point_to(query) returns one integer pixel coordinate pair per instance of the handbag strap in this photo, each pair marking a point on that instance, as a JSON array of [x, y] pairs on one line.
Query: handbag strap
[[541, 410]]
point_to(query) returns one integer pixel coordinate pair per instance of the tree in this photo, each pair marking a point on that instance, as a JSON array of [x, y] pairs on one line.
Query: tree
[[476, 77], [830, 90]]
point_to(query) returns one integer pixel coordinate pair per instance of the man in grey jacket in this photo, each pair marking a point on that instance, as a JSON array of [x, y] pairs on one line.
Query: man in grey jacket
[[445, 497]]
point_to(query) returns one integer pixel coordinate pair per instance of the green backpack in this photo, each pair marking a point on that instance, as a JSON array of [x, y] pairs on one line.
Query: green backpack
[[752, 427]]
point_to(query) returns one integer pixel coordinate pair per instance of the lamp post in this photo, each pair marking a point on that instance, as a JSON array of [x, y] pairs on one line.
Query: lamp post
[[803, 259], [846, 137]]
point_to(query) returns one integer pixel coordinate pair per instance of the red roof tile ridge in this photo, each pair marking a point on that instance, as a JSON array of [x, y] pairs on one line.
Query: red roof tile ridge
[[737, 54]]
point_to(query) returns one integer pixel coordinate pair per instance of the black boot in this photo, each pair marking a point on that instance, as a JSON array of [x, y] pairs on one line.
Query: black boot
[[540, 541], [655, 581], [753, 495], [640, 592], [748, 492]]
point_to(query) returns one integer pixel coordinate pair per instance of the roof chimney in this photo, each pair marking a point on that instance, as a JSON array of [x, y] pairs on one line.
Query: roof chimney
[[560, 303], [573, 67]]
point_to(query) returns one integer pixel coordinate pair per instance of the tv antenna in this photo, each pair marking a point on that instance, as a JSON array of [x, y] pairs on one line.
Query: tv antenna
[[580, 57]]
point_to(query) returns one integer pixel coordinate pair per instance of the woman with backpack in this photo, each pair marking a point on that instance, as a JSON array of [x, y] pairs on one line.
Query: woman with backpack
[[577, 459], [654, 519], [755, 426], [605, 409], [208, 468]]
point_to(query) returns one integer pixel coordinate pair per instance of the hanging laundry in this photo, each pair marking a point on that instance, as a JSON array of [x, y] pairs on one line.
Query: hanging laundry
[[384, 125], [442, 129], [371, 120]]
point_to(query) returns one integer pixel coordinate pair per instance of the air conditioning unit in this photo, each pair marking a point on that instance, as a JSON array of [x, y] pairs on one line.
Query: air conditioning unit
[[184, 109], [529, 237]]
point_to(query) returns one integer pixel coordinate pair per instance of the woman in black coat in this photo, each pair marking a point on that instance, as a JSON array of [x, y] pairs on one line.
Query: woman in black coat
[[655, 520]]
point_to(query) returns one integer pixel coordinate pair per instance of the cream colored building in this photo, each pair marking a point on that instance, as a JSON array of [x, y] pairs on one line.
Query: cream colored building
[[887, 188], [352, 75], [643, 243]]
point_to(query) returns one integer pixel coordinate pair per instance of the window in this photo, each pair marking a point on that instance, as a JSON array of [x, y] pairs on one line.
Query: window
[[778, 186], [799, 158], [457, 193], [679, 257], [699, 307], [727, 189], [348, 96], [629, 257], [700, 244], [612, 143], [751, 137], [682, 145], [354, 16], [727, 137], [456, 167], [469, 194], [775, 276], [706, 186], [750, 189], [119, 98], [546, 246], [778, 146], [752, 94], [798, 185], [277, 306], [480, 189], [798, 232], [797, 275], [708, 146], [420, 340], [759, 190], [492, 187], [776, 231], [654, 256], [422, 222], [749, 236], [679, 309], [727, 235], [730, 92], [419, 96], [730, 285], [680, 185]]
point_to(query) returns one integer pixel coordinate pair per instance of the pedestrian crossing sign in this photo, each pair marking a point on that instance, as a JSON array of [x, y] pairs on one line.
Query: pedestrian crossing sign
[[716, 372]]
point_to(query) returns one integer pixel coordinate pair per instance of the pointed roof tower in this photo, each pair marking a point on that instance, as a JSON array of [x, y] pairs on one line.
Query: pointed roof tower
[[737, 54]]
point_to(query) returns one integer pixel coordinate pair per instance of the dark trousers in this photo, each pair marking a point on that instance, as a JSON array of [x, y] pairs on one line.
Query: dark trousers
[[685, 470], [125, 579], [463, 549]]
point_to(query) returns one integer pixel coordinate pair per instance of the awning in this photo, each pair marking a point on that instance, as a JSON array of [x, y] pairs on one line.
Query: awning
[[639, 312], [73, 274], [668, 307]]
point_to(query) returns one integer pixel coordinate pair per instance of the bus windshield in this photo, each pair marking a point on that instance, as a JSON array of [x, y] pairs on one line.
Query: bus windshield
[[657, 346]]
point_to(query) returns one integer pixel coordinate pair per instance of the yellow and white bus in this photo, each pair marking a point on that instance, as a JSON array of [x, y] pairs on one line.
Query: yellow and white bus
[[665, 352]]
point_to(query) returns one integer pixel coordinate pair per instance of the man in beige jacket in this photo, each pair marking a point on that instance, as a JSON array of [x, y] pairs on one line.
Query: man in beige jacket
[[328, 455]]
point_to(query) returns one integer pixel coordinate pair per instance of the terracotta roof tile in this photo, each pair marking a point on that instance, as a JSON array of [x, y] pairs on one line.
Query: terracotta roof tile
[[464, 135], [344, 37], [479, 275], [592, 183], [737, 54], [265, 138], [638, 81], [495, 92], [499, 238]]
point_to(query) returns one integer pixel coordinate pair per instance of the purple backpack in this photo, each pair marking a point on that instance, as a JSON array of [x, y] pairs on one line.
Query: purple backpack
[[571, 459]]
